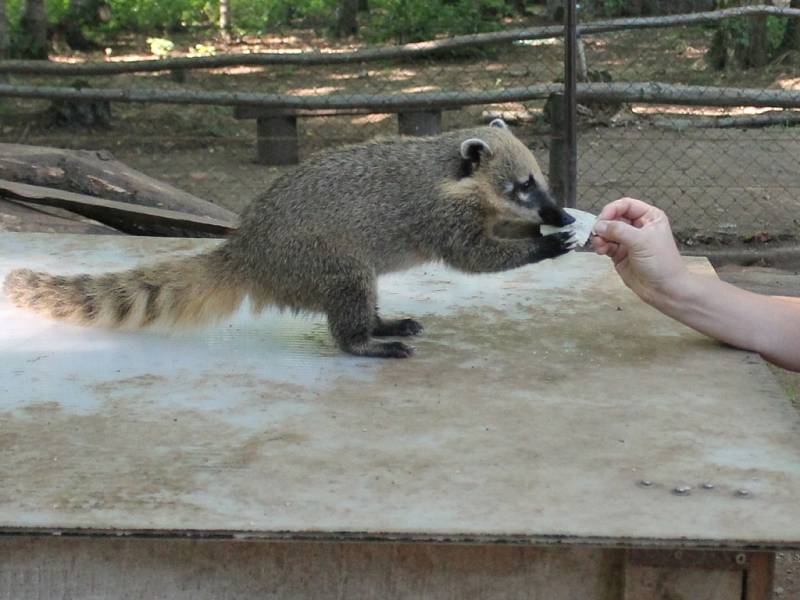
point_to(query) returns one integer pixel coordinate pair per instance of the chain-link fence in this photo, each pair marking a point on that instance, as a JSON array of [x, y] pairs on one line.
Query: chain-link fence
[[719, 180], [722, 173]]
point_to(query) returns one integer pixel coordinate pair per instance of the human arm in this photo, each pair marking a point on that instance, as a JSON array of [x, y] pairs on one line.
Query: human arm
[[639, 240]]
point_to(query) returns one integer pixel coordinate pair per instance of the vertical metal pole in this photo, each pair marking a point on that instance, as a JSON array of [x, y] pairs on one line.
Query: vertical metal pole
[[570, 101], [558, 147]]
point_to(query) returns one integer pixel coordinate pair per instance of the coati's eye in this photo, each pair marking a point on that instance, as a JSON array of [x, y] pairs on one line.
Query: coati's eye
[[527, 185]]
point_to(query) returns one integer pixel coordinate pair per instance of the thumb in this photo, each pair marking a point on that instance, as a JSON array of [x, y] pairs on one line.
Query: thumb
[[617, 231]]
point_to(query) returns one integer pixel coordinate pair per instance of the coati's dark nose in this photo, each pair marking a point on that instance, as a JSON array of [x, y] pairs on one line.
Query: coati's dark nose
[[555, 216]]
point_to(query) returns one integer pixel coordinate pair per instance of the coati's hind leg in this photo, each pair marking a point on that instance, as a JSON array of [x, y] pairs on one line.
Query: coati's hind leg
[[351, 317], [395, 327]]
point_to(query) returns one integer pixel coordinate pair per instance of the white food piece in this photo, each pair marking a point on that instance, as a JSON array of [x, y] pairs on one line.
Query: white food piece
[[581, 229]]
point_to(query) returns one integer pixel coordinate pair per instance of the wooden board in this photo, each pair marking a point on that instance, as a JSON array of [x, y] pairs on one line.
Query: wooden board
[[18, 216], [99, 174], [539, 401], [130, 218]]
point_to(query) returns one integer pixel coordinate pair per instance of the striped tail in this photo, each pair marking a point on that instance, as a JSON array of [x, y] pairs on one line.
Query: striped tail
[[180, 293]]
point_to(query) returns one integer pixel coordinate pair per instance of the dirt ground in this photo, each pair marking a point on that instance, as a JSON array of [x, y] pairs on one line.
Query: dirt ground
[[720, 187]]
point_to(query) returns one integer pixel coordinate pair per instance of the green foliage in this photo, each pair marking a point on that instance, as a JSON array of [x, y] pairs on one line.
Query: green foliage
[[416, 20], [733, 39], [56, 10], [21, 44], [131, 15], [154, 16], [613, 8], [160, 46], [776, 29], [203, 50], [264, 15], [399, 20]]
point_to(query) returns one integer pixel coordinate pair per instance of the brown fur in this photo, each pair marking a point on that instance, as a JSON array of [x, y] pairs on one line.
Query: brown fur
[[324, 231]]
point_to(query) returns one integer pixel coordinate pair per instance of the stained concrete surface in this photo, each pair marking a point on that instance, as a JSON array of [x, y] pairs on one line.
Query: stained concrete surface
[[538, 402], [763, 280]]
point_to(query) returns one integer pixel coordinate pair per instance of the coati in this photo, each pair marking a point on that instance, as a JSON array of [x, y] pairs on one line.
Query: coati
[[317, 239]]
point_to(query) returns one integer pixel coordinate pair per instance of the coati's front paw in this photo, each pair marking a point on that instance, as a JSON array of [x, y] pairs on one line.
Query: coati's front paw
[[554, 245], [381, 349], [398, 327]]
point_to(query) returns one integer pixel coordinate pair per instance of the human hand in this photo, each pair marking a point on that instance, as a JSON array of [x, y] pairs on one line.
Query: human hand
[[638, 238]]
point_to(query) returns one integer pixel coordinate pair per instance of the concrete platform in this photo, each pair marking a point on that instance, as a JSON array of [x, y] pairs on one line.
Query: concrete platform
[[546, 406]]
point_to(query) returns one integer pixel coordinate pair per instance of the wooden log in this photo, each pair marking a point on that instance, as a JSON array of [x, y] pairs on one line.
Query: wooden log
[[97, 173], [687, 95], [376, 103], [129, 218], [641, 92], [20, 216], [405, 51], [512, 117], [786, 118]]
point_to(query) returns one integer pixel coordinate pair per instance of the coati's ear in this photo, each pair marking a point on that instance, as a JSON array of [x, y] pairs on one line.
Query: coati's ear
[[499, 123], [472, 150]]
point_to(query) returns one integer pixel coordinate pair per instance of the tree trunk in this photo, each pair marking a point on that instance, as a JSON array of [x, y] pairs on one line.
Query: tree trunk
[[224, 19], [4, 38], [348, 18], [791, 39], [749, 50], [34, 30], [753, 54], [4, 41], [82, 13], [518, 6], [555, 10]]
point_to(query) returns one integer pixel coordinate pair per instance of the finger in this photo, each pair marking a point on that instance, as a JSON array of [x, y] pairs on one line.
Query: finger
[[652, 216], [603, 247], [613, 251], [620, 256], [599, 245], [628, 208], [617, 231]]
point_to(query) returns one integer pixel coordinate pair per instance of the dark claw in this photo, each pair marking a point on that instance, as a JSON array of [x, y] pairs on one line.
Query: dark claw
[[408, 327], [378, 349], [397, 350], [556, 244], [400, 327]]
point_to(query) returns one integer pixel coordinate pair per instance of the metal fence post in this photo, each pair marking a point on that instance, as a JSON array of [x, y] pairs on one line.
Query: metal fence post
[[558, 153], [570, 103]]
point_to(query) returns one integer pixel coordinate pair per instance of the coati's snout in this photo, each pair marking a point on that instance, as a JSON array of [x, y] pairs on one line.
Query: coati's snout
[[555, 216]]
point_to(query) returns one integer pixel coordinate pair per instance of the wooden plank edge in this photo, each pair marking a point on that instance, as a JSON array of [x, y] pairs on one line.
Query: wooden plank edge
[[130, 218]]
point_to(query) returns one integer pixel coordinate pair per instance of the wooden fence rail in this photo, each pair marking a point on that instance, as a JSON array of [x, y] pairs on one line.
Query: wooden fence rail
[[414, 50], [642, 92]]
